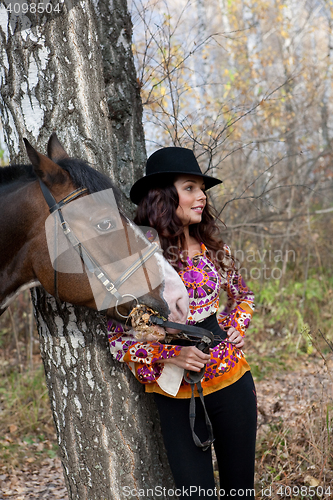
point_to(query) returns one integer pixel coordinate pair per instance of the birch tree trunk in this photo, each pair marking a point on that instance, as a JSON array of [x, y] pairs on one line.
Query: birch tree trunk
[[201, 61], [74, 74], [326, 118]]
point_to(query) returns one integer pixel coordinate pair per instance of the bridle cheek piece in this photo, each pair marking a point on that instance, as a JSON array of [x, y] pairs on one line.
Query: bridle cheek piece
[[92, 265]]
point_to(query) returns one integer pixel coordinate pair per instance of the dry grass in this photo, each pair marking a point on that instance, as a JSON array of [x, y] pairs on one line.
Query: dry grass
[[295, 446], [295, 405], [27, 434]]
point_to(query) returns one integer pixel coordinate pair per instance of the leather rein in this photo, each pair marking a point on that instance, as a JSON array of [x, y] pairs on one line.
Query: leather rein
[[202, 339]]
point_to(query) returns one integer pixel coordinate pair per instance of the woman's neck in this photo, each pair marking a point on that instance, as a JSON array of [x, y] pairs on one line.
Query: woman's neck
[[192, 246]]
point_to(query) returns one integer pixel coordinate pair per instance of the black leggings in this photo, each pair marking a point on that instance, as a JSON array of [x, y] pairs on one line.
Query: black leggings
[[233, 413]]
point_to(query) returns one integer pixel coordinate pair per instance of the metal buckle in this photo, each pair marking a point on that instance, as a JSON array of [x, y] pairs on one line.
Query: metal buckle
[[125, 295], [110, 288]]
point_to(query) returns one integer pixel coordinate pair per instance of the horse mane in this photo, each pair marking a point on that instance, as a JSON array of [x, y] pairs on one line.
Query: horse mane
[[81, 173], [14, 173]]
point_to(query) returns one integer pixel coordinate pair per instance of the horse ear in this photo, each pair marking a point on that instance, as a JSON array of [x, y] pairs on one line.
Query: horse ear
[[43, 166], [55, 150]]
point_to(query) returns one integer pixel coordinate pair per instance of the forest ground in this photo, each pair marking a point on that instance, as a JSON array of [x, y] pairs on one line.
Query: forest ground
[[293, 409]]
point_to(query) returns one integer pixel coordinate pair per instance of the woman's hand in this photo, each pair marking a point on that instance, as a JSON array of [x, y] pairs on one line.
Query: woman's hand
[[190, 358], [235, 337]]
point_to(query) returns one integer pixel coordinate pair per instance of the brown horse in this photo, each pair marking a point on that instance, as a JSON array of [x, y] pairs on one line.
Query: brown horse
[[99, 258]]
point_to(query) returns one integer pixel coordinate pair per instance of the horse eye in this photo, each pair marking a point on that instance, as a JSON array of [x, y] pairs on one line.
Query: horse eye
[[105, 225]]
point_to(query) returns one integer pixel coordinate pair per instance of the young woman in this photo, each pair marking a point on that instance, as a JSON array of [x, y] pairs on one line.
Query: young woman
[[171, 198]]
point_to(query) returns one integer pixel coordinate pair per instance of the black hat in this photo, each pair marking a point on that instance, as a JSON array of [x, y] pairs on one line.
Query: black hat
[[164, 162]]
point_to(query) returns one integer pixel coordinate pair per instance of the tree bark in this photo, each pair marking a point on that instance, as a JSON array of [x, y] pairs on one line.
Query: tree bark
[[107, 426], [75, 74]]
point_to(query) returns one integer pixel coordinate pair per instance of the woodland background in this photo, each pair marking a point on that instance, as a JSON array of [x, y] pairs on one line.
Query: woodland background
[[248, 85]]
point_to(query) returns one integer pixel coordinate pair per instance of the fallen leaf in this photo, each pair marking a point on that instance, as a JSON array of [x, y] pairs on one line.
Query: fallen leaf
[[311, 481]]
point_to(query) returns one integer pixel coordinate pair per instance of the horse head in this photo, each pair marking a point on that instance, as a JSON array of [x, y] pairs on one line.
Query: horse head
[[63, 229]]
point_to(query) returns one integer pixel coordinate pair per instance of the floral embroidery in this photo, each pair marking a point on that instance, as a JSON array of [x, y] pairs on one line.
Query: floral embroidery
[[145, 375], [203, 284], [141, 353]]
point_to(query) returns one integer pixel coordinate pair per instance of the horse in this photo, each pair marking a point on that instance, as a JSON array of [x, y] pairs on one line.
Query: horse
[[61, 228]]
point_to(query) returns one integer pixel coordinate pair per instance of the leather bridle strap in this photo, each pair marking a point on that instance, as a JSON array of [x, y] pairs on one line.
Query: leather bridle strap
[[91, 264], [53, 206], [50, 200], [205, 337]]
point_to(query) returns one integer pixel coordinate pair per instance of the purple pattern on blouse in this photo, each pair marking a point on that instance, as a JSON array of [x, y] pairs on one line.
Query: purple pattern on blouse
[[203, 283]]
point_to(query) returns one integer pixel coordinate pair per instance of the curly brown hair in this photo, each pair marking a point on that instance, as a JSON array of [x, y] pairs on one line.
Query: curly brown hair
[[157, 209]]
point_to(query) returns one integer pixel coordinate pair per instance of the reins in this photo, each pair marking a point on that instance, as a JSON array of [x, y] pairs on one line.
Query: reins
[[203, 340]]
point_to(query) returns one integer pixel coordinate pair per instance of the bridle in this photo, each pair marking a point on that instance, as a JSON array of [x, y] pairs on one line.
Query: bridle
[[202, 337], [110, 286]]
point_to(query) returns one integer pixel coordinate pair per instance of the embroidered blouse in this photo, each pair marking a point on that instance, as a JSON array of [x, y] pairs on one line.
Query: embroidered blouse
[[227, 363]]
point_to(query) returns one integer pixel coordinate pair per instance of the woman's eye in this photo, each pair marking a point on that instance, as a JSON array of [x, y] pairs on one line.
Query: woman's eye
[[105, 225]]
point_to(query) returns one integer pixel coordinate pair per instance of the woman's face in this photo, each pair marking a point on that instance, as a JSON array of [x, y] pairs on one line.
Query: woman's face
[[192, 198]]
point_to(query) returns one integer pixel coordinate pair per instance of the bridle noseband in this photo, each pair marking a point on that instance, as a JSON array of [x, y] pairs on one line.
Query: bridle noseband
[[92, 265]]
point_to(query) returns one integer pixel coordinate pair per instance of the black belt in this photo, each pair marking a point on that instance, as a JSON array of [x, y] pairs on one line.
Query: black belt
[[212, 325]]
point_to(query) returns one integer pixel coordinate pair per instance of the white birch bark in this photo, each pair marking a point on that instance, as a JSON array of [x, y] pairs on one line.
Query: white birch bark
[[326, 108], [223, 5], [201, 58], [75, 74], [253, 39]]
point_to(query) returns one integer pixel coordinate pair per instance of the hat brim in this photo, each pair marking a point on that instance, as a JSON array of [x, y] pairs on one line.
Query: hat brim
[[141, 187]]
